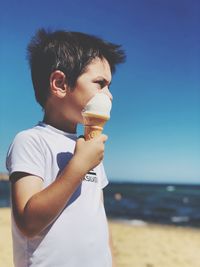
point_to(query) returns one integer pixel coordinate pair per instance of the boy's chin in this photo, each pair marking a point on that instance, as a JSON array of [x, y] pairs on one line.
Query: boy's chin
[[77, 119], [80, 120]]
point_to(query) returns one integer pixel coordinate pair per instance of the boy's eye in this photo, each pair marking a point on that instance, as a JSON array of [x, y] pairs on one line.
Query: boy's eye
[[101, 83]]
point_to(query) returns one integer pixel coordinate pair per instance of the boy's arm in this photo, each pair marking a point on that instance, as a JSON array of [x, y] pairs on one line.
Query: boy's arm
[[34, 208]]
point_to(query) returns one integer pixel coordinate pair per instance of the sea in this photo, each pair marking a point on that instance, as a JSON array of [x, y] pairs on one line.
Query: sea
[[141, 203]]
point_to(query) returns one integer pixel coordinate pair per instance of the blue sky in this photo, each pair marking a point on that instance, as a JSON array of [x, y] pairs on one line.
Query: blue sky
[[154, 131]]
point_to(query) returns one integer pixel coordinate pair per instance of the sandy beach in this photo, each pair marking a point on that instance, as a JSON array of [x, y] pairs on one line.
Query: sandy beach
[[142, 245]]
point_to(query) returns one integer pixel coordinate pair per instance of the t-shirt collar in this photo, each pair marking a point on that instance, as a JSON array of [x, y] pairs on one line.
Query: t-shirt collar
[[55, 130]]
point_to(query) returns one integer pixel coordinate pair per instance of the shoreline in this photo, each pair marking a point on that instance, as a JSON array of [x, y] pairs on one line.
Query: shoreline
[[143, 223], [4, 177], [141, 244]]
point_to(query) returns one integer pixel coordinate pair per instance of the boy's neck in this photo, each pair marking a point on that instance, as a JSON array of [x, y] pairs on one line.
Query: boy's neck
[[66, 126]]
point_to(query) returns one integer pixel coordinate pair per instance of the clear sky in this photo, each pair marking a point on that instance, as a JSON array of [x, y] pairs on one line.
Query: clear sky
[[154, 131]]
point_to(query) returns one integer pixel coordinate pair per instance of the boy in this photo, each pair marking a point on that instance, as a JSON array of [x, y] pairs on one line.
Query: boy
[[58, 217]]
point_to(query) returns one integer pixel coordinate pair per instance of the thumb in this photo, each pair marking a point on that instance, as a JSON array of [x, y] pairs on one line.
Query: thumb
[[103, 138], [81, 139]]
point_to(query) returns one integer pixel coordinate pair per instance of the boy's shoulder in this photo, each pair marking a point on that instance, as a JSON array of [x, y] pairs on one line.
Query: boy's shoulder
[[42, 135], [28, 135], [31, 132]]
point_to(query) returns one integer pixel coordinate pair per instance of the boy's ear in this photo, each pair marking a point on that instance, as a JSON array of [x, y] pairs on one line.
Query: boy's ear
[[58, 84]]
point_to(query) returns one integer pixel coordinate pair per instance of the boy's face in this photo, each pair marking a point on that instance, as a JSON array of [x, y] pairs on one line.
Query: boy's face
[[96, 78]]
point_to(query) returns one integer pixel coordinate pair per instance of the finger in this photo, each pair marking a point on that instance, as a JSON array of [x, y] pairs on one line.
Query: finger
[[81, 136], [103, 137], [81, 139]]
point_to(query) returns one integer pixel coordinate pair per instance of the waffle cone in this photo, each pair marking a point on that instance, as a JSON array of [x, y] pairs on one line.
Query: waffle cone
[[93, 125]]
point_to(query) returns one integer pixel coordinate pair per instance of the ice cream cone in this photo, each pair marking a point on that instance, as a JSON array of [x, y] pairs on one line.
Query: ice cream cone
[[95, 114], [93, 125]]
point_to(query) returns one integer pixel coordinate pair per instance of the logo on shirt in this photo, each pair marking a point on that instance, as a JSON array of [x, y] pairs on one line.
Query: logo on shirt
[[91, 176]]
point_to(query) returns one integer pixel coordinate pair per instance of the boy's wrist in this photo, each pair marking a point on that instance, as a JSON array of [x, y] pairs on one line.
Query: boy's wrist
[[77, 167]]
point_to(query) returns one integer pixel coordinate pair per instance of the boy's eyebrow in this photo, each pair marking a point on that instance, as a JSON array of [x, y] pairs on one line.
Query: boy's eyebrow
[[103, 79]]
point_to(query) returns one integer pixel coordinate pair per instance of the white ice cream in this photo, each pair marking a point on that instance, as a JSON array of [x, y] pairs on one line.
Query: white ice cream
[[100, 104]]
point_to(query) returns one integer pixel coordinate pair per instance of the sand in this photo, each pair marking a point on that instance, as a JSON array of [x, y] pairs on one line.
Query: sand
[[156, 246], [134, 246], [5, 238]]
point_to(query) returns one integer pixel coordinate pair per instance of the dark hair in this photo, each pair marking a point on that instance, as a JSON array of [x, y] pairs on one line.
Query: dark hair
[[69, 52]]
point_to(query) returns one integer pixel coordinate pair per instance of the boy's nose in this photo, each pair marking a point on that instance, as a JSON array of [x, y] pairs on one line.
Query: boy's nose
[[106, 91]]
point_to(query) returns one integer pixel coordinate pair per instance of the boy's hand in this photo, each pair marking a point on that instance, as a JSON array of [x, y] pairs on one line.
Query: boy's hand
[[90, 153]]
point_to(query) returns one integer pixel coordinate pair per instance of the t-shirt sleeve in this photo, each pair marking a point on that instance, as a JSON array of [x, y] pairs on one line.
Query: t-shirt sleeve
[[25, 155], [104, 179]]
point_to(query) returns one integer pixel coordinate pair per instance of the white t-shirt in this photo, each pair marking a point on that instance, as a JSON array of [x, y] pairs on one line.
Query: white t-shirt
[[79, 236]]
